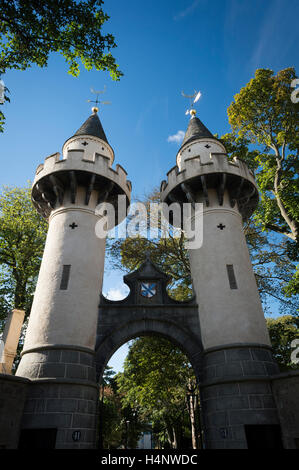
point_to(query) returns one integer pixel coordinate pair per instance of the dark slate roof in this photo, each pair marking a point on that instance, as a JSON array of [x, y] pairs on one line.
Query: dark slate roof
[[92, 126], [196, 130]]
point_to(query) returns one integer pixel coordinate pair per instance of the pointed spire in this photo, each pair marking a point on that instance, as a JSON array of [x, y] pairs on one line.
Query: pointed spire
[[92, 126], [196, 130]]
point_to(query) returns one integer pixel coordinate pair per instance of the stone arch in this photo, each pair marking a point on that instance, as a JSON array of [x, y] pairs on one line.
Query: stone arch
[[185, 340], [148, 310]]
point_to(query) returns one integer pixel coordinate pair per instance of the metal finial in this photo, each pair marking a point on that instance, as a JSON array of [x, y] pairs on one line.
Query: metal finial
[[97, 101], [193, 99]]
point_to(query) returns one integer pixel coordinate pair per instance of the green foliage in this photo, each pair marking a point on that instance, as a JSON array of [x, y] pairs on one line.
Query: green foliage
[[2, 117], [263, 111], [22, 238], [169, 254], [31, 29], [119, 424], [283, 331], [156, 378], [263, 114], [273, 269]]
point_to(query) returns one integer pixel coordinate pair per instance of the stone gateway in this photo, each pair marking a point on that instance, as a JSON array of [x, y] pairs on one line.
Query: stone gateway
[[73, 330]]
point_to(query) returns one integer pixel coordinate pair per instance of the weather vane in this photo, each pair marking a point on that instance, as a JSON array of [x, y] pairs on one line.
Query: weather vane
[[97, 101], [193, 99]]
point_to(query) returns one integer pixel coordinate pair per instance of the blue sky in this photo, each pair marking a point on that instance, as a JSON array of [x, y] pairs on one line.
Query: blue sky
[[163, 48]]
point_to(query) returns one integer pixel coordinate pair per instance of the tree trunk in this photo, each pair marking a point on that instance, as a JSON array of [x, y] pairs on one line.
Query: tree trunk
[[192, 408], [293, 224], [175, 440]]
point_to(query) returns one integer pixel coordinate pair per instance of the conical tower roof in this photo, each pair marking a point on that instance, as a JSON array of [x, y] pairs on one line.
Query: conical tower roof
[[196, 130], [92, 126]]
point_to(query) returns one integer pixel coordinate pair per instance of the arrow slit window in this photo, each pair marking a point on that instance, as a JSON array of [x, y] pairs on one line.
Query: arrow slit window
[[65, 276], [231, 276]]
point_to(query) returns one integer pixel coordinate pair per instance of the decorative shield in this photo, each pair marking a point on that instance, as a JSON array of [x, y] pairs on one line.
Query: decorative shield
[[148, 289]]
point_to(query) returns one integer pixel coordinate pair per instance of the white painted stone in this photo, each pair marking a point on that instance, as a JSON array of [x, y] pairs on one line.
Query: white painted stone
[[226, 315], [68, 316], [198, 148], [94, 146]]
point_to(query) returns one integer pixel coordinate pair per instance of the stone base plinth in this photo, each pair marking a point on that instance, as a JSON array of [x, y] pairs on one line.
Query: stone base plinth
[[237, 399], [61, 406]]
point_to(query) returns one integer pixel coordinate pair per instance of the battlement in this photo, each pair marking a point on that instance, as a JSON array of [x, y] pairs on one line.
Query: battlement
[[61, 175], [75, 161], [218, 172]]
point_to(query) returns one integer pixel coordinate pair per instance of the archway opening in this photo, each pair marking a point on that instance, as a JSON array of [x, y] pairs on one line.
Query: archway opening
[[152, 401]]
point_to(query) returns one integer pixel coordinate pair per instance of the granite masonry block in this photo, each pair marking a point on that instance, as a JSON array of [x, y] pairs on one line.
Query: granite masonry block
[[252, 417], [44, 391], [87, 359], [72, 391], [83, 406], [217, 418], [259, 354], [52, 370], [209, 392], [228, 389], [70, 357], [232, 403], [212, 358], [253, 368], [65, 405], [29, 406], [54, 356], [229, 370], [256, 401], [55, 420], [91, 374], [271, 368], [76, 371], [253, 388], [83, 421], [237, 355]]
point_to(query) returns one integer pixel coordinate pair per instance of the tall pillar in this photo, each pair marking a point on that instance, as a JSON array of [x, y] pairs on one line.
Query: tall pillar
[[58, 354], [237, 361], [11, 336]]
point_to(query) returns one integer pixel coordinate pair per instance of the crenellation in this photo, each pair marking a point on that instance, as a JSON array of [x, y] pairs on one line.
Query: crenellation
[[119, 167], [219, 173], [39, 168]]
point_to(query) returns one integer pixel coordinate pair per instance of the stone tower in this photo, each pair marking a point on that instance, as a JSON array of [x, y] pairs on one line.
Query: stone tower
[[58, 354], [237, 360]]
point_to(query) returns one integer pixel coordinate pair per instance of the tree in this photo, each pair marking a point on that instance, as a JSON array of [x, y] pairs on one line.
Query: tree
[[168, 253], [22, 237], [159, 382], [283, 330], [31, 29], [264, 114], [119, 424]]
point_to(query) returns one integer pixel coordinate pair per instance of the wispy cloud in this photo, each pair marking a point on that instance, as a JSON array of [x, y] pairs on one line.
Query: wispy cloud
[[269, 47], [117, 293], [187, 11], [177, 138]]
